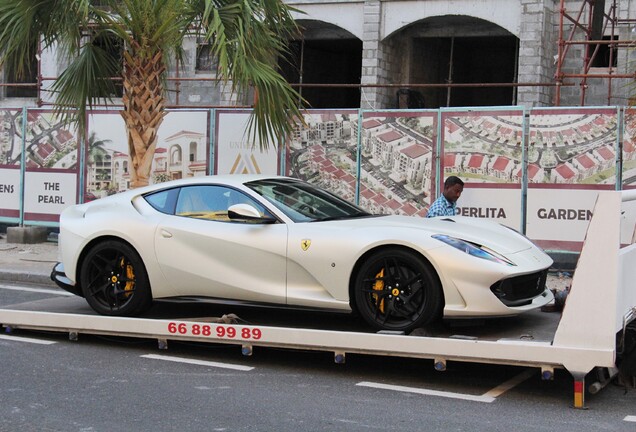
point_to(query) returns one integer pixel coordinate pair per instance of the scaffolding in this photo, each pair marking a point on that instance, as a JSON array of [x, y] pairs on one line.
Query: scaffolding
[[599, 29]]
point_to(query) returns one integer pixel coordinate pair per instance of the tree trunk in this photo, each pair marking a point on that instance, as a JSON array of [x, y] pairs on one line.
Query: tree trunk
[[144, 110]]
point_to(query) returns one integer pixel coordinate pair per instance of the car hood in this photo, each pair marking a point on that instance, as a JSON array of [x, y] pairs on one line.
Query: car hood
[[480, 231]]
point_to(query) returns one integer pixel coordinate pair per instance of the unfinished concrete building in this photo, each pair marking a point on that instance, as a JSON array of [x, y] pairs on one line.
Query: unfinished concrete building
[[375, 54], [436, 53]]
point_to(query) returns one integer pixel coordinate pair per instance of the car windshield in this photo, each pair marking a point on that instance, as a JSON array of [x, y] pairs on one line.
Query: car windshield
[[303, 202]]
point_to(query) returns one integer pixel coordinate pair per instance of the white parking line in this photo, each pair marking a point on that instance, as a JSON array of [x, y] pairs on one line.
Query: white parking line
[[38, 290], [513, 382], [197, 362], [25, 339], [462, 396], [488, 397], [630, 419]]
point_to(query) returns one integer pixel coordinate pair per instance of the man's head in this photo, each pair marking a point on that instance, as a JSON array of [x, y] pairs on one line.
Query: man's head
[[453, 188]]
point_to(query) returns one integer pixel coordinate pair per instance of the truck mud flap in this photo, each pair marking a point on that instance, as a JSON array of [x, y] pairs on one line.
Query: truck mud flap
[[627, 358]]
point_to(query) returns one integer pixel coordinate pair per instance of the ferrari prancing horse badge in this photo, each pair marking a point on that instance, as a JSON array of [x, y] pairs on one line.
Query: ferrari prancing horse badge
[[305, 243]]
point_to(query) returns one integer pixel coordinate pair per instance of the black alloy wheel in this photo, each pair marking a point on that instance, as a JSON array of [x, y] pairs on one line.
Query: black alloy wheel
[[114, 280], [397, 290]]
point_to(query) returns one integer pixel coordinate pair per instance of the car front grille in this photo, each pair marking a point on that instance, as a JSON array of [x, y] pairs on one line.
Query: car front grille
[[520, 290]]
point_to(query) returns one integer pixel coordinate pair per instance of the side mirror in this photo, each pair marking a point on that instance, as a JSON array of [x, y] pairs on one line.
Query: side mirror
[[247, 212]]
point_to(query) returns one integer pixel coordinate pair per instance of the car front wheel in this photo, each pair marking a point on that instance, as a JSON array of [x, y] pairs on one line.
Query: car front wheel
[[397, 290], [114, 280]]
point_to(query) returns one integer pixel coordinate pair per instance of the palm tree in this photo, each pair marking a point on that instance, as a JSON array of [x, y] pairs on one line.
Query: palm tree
[[96, 150], [246, 36]]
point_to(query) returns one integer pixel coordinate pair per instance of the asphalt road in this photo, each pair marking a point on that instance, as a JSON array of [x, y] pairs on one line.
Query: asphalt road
[[111, 384]]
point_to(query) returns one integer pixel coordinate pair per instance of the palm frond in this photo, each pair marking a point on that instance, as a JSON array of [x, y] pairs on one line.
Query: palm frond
[[84, 83], [247, 37]]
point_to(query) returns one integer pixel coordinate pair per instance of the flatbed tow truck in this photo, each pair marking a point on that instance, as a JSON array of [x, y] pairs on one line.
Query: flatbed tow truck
[[596, 330]]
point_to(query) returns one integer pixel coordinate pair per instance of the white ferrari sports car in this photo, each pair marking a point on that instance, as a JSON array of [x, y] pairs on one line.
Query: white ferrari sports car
[[282, 241]]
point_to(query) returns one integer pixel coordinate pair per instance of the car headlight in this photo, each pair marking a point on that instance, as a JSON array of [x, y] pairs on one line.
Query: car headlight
[[473, 249]]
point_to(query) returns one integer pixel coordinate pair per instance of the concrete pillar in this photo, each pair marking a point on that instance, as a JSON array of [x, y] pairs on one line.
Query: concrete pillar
[[374, 59], [537, 48], [228, 97]]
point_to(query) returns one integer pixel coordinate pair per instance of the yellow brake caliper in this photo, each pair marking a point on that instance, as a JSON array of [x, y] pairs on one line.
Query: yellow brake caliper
[[130, 276], [378, 285]]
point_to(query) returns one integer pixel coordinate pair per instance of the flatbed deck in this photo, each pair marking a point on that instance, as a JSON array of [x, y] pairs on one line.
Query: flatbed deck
[[536, 326]]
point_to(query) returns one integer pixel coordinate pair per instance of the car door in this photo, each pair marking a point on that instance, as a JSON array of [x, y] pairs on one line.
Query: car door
[[201, 252]]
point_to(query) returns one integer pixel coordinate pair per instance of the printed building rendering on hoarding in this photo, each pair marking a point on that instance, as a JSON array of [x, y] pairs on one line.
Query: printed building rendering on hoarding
[[180, 153], [387, 162], [567, 146]]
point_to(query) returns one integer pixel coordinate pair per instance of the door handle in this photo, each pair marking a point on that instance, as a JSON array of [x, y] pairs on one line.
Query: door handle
[[166, 234]]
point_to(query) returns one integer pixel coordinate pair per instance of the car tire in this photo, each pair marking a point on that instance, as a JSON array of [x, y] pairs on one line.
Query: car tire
[[114, 280], [397, 290]]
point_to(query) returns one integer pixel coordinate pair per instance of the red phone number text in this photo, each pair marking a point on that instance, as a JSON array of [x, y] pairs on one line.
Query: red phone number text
[[227, 332]]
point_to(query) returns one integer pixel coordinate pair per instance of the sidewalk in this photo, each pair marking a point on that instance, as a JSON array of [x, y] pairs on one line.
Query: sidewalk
[[30, 263]]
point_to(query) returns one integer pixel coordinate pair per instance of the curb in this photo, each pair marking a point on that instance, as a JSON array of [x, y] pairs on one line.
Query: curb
[[22, 277], [563, 261]]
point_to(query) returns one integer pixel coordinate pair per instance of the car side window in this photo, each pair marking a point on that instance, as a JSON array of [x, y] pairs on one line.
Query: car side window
[[163, 201], [211, 202]]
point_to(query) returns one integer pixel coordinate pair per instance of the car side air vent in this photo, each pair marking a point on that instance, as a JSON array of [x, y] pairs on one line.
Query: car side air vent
[[141, 205]]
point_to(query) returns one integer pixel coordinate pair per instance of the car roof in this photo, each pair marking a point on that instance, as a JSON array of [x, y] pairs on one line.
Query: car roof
[[232, 180], [226, 179]]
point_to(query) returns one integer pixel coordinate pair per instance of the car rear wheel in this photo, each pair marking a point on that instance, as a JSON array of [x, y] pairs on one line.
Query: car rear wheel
[[114, 280], [397, 290]]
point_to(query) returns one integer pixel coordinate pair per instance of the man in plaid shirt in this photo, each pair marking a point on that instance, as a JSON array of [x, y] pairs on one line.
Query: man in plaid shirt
[[446, 204]]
